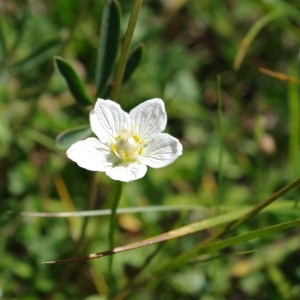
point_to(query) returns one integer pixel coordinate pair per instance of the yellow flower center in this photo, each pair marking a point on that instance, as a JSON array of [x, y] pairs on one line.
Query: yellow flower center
[[127, 147]]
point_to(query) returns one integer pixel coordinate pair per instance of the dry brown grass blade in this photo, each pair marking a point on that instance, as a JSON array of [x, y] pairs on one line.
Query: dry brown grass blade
[[279, 75], [182, 231], [153, 240]]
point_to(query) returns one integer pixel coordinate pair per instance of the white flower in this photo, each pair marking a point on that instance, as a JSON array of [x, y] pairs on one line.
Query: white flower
[[126, 143]]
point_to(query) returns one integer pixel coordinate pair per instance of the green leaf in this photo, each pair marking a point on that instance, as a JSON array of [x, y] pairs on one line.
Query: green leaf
[[108, 43], [260, 233], [72, 80], [65, 139], [38, 56], [133, 62]]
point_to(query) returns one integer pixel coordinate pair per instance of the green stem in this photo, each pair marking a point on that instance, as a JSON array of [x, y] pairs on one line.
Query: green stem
[[111, 234], [220, 132], [125, 49], [294, 127]]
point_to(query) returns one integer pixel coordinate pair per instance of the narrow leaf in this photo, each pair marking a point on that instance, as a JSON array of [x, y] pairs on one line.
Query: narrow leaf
[[108, 43], [133, 62], [260, 233], [65, 139], [41, 54], [72, 80]]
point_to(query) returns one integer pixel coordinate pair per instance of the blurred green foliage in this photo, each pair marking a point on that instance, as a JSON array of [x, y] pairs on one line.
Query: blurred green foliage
[[186, 45]]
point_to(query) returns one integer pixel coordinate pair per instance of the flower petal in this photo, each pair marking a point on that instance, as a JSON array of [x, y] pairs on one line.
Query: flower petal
[[149, 118], [161, 151], [107, 120], [127, 173], [92, 155]]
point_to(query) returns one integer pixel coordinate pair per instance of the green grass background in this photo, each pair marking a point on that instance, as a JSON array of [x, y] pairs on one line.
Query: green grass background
[[240, 137]]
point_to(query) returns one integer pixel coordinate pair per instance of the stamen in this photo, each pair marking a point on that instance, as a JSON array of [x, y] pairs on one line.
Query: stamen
[[127, 146]]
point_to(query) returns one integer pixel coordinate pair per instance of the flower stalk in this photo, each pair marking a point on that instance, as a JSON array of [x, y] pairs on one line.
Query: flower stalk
[[137, 4], [111, 235]]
